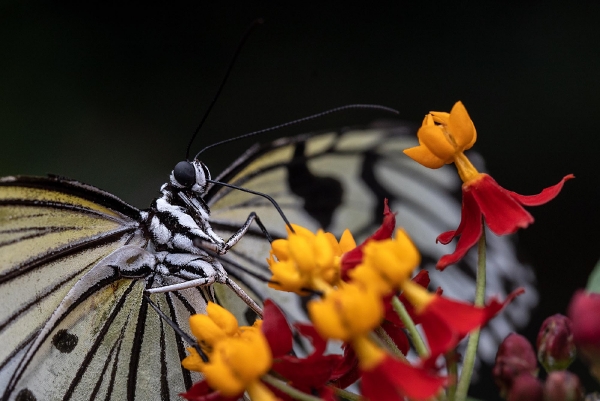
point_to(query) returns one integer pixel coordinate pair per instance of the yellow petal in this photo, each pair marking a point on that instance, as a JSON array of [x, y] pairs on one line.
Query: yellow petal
[[288, 277], [333, 243], [301, 251], [433, 138], [301, 231], [461, 127], [423, 156], [407, 253], [223, 318], [193, 361], [323, 250], [370, 278], [326, 320], [347, 242], [280, 249], [206, 330], [259, 392], [369, 355], [220, 376], [250, 355], [418, 296], [347, 312]]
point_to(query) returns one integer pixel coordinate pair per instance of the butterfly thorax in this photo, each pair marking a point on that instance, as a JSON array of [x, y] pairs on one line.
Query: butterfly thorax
[[178, 220]]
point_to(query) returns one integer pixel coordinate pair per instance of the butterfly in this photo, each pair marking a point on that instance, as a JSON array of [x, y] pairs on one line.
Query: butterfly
[[75, 261]]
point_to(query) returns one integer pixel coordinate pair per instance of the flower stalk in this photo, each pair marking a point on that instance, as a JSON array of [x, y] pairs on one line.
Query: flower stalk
[[471, 352]]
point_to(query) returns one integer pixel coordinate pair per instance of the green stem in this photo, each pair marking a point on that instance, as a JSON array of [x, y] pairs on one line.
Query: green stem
[[291, 391], [390, 345], [410, 326], [346, 395], [451, 359], [471, 352]]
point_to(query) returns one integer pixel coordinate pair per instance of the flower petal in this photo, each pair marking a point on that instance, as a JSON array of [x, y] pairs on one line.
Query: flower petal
[[503, 214], [461, 126], [433, 138], [545, 196], [446, 321], [276, 329], [202, 392], [471, 228], [424, 156], [393, 380]]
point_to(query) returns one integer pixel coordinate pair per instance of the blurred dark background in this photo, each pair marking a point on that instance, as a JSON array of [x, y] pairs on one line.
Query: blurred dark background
[[109, 94]]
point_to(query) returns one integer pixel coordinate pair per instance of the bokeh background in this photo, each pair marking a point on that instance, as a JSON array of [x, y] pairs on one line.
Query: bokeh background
[[109, 94]]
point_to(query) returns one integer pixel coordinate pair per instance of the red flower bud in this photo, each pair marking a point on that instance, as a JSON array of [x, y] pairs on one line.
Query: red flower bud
[[555, 347], [563, 386], [584, 312], [515, 357], [526, 388]]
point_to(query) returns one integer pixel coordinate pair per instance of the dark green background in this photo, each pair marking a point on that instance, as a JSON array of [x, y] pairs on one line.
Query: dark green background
[[110, 94]]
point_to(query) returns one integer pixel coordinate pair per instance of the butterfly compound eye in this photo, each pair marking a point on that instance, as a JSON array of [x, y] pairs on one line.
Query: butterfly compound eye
[[185, 174]]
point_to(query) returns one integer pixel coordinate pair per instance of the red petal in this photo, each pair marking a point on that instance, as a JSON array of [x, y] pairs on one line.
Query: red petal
[[393, 379], [347, 371], [387, 226], [446, 322], [470, 226], [276, 329], [313, 371], [319, 343], [352, 258], [201, 392], [543, 197], [503, 214], [306, 374]]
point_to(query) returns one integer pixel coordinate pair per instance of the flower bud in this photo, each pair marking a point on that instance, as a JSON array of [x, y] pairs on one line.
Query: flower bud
[[584, 311], [563, 386], [526, 388], [515, 357], [555, 347]]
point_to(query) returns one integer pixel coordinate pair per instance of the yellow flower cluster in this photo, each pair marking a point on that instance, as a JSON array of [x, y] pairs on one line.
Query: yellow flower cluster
[[307, 261], [238, 356], [347, 311]]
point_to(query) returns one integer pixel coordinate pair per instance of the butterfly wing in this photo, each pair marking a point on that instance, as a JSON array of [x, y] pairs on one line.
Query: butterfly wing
[[339, 180], [70, 326]]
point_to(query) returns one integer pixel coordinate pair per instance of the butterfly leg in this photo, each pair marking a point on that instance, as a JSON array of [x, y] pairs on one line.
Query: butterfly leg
[[195, 271], [252, 217]]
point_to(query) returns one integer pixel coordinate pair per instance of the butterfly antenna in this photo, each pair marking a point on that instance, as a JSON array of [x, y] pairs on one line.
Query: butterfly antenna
[[303, 119], [270, 199], [177, 329], [240, 45]]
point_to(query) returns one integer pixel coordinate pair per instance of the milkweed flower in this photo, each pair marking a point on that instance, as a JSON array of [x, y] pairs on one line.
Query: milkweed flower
[[307, 261], [237, 356], [443, 138]]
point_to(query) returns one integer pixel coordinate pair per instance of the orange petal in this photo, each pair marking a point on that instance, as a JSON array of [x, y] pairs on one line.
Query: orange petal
[[461, 127], [432, 137], [423, 156]]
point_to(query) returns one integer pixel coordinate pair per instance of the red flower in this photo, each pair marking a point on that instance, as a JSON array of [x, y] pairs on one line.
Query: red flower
[[502, 209]]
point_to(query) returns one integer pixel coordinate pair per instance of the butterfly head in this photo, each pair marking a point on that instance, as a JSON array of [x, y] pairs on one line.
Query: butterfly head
[[190, 175]]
